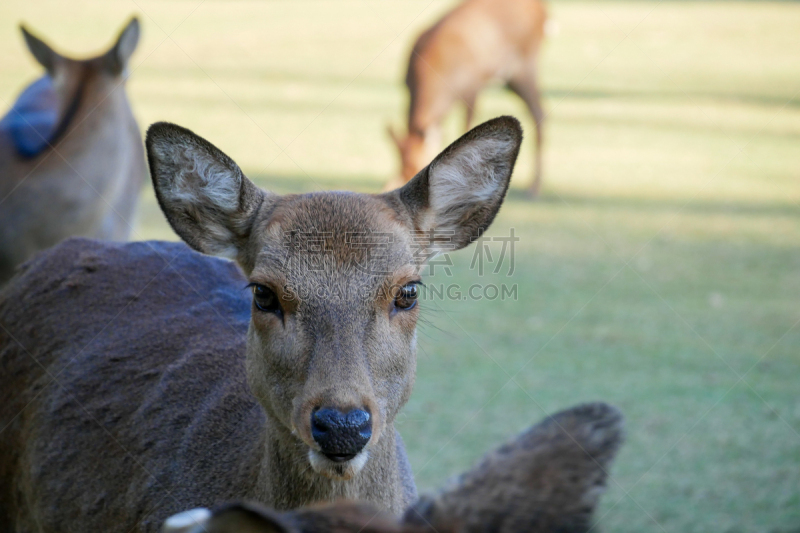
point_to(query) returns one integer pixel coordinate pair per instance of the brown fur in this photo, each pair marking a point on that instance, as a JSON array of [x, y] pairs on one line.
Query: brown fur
[[87, 182], [137, 381], [477, 42], [547, 480]]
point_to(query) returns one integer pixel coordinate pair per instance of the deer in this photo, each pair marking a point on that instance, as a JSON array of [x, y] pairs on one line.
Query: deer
[[478, 42], [265, 361], [71, 155], [548, 479]]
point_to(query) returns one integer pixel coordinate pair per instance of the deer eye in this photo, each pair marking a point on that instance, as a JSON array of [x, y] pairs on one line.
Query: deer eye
[[266, 300], [406, 297]]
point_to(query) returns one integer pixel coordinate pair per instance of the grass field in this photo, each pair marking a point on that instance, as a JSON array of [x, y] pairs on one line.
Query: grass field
[[660, 270]]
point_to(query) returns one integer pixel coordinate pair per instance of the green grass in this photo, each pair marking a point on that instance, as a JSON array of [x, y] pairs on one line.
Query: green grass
[[661, 264]]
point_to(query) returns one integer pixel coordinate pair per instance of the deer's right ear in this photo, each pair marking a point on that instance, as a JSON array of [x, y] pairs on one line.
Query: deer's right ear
[[45, 55], [206, 198], [456, 197]]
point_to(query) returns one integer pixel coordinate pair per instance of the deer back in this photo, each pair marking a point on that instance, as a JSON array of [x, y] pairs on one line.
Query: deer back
[[111, 337]]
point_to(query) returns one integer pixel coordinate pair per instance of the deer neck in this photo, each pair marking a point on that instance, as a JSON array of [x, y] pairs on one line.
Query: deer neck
[[287, 481], [104, 100]]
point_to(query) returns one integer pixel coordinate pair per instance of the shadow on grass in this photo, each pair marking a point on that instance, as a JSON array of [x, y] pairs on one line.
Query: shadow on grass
[[303, 183], [554, 198], [321, 78], [737, 97]]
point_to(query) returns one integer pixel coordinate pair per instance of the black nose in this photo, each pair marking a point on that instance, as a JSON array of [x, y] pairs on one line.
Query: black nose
[[341, 435]]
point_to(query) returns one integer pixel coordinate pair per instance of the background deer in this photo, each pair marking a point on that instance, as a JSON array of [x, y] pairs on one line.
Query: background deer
[[547, 480], [71, 155], [479, 41], [139, 381]]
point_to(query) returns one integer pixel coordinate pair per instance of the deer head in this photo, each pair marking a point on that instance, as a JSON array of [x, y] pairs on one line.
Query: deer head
[[67, 72], [331, 348]]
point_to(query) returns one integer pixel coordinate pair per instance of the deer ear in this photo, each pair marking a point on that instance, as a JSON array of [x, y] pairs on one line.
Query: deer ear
[[455, 198], [206, 198], [549, 478], [45, 55], [117, 58]]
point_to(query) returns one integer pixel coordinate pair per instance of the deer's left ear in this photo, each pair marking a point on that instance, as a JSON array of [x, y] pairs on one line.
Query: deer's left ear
[[455, 198], [117, 58]]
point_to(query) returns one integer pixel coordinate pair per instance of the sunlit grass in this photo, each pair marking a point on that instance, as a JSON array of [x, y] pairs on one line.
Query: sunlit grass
[[661, 263]]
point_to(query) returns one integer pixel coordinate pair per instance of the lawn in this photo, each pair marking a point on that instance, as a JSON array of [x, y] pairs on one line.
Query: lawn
[[659, 271]]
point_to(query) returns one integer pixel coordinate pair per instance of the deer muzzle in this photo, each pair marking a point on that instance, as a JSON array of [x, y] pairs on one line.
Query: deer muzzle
[[341, 436]]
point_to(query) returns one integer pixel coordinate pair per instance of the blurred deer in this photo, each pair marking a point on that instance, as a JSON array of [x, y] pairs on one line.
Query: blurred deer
[[547, 480], [476, 43], [71, 155]]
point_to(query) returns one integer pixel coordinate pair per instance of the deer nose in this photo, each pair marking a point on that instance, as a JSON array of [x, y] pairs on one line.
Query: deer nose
[[341, 435]]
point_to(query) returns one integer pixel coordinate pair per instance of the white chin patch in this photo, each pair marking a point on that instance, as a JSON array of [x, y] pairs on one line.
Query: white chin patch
[[334, 470]]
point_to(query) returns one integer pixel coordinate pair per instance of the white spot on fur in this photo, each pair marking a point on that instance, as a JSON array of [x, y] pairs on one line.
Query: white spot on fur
[[187, 521], [337, 471]]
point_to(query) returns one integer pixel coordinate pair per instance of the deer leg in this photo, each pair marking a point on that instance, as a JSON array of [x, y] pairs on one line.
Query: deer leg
[[469, 104], [526, 87]]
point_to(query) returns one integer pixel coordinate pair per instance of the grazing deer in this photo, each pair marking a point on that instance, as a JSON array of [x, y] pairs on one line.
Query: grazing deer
[[547, 480], [139, 380], [71, 155], [477, 42]]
